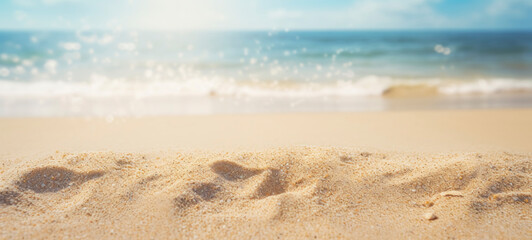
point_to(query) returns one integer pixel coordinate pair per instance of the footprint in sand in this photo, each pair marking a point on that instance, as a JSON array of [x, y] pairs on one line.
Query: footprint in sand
[[232, 171], [53, 179], [273, 181], [8, 198], [206, 191], [185, 201], [272, 184], [200, 192]]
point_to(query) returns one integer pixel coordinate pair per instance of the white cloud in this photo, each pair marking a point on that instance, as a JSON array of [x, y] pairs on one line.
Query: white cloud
[[365, 14], [181, 14], [509, 7], [392, 13]]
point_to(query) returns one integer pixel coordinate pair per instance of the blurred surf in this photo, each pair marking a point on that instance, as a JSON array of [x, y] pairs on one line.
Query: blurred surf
[[98, 66]]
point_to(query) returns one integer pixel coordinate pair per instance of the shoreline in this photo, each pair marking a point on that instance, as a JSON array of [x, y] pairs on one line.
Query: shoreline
[[133, 106]]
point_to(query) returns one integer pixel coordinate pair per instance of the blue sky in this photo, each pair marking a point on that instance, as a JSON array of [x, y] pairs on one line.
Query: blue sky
[[265, 14]]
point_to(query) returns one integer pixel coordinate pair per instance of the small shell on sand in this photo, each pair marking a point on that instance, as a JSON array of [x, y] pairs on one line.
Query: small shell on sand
[[451, 194], [428, 204], [430, 216]]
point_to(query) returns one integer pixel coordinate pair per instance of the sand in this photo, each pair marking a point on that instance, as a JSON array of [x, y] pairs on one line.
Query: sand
[[406, 175]]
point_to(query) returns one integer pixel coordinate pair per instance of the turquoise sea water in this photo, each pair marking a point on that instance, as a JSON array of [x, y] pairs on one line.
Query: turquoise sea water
[[62, 71]]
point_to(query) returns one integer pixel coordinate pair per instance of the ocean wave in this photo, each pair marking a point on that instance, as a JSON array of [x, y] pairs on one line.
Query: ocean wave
[[369, 86]]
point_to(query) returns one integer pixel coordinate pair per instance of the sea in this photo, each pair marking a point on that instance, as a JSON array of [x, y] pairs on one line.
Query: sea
[[138, 73]]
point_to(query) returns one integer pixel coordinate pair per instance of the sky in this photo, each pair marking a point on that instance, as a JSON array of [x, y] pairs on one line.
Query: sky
[[265, 14]]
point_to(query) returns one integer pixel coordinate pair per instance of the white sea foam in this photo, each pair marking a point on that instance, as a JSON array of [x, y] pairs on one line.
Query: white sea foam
[[442, 50], [370, 86], [484, 86]]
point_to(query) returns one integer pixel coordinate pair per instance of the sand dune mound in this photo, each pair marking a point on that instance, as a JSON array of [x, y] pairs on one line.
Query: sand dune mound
[[324, 192]]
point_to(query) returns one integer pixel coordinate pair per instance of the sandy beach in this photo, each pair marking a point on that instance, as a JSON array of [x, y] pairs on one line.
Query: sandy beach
[[408, 175], [340, 119]]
